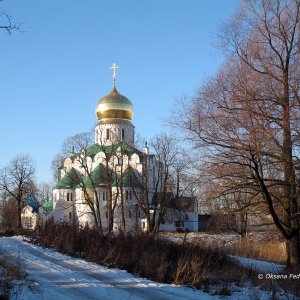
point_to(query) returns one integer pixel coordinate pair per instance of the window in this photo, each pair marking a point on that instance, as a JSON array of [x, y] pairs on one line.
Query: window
[[107, 134], [123, 134], [69, 196], [104, 196], [28, 222], [70, 216], [126, 195], [98, 136], [130, 195]]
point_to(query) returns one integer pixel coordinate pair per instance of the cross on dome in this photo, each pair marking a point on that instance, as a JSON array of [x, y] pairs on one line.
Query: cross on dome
[[114, 67]]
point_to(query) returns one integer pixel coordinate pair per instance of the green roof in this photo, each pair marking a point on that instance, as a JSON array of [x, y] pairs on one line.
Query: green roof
[[68, 181], [129, 178], [98, 176], [110, 150], [48, 206], [94, 149]]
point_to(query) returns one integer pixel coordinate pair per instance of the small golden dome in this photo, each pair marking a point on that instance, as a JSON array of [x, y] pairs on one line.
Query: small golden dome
[[114, 106]]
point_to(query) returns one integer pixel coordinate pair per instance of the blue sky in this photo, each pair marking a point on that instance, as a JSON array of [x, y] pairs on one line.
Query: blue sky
[[53, 74]]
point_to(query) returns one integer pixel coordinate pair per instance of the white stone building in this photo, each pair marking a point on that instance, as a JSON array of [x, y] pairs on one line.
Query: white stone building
[[34, 212], [112, 172]]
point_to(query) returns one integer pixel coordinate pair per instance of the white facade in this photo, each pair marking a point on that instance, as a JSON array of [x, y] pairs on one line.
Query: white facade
[[109, 134], [30, 217], [183, 221]]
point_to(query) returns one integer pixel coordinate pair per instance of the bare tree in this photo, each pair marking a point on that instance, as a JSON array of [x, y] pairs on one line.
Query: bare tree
[[16, 179], [77, 146], [56, 164], [7, 24], [247, 117], [9, 214], [166, 153], [43, 191], [160, 181]]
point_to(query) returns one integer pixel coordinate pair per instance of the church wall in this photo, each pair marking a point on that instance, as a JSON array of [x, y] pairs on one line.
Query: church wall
[[85, 216], [109, 134], [132, 212], [63, 205], [100, 157]]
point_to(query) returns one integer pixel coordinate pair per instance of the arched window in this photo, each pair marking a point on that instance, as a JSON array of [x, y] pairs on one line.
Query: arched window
[[107, 134]]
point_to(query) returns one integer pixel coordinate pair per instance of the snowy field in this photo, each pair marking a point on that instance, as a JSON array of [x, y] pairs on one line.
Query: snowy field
[[51, 275]]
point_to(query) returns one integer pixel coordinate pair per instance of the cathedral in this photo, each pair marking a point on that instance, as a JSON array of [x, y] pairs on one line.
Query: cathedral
[[111, 183]]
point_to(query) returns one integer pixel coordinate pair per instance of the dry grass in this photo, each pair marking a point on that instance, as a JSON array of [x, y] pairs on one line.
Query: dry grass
[[10, 270], [272, 251]]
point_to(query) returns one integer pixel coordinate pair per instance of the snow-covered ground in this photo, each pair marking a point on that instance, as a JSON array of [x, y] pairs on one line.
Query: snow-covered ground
[[260, 265], [51, 275], [220, 240], [207, 238]]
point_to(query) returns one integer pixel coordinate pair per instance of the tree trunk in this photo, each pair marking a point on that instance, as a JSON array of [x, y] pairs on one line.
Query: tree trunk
[[293, 247], [244, 225], [110, 213], [290, 188], [19, 221], [123, 224], [149, 229]]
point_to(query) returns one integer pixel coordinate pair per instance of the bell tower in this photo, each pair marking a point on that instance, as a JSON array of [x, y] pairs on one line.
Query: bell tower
[[114, 113]]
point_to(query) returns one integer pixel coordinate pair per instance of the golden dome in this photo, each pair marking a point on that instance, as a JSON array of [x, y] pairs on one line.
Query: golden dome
[[114, 106]]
